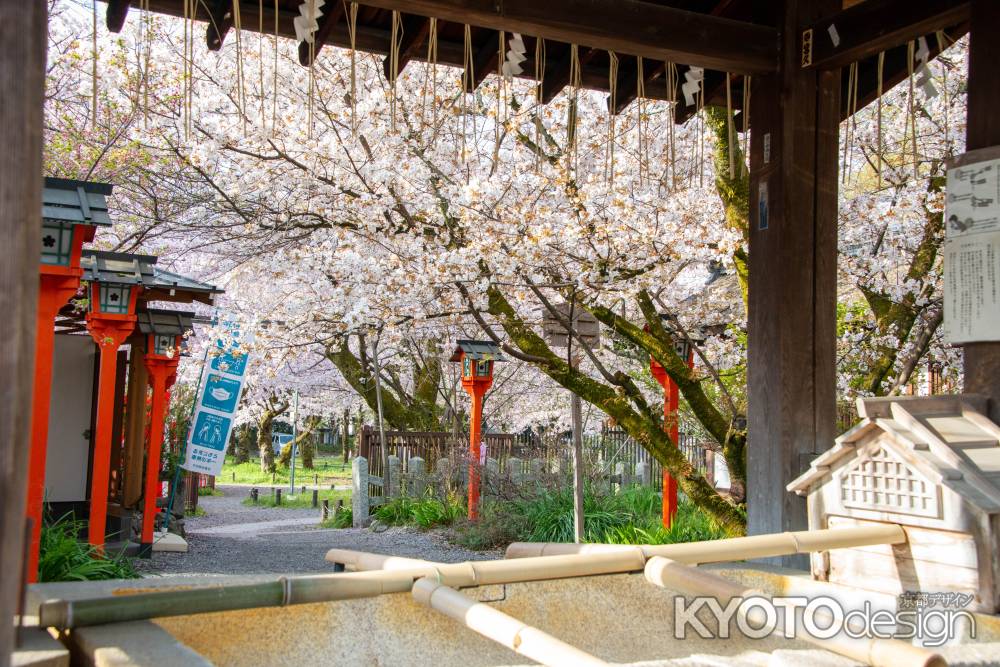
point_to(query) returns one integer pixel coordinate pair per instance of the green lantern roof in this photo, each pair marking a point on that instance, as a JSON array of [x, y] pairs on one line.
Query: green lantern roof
[[165, 322], [118, 267], [476, 349], [76, 202]]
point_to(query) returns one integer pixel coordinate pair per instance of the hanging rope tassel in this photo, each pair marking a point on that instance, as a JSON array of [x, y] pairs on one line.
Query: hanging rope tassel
[[609, 163], [496, 123], [394, 46], [571, 124], [747, 85], [430, 72], [640, 94], [274, 74], [468, 76], [539, 91], [671, 79], [852, 72], [878, 128], [241, 100], [730, 129]]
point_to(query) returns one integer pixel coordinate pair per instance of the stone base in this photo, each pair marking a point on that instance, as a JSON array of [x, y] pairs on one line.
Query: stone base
[[169, 542]]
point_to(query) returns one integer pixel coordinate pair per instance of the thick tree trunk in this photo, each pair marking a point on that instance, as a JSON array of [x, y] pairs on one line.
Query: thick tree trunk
[[264, 443], [244, 441]]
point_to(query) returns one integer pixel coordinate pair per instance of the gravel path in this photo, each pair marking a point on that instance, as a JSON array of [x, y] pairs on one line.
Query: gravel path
[[236, 539]]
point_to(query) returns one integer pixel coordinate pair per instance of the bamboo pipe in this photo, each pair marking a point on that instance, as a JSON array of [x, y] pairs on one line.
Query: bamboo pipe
[[66, 614], [364, 561], [689, 580], [498, 626], [732, 549]]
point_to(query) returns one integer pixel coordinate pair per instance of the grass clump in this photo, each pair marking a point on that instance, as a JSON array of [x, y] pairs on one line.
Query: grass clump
[[208, 491], [427, 512], [342, 519], [64, 557], [632, 516]]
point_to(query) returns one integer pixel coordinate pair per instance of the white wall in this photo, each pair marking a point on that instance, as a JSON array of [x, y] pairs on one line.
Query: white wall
[[69, 419]]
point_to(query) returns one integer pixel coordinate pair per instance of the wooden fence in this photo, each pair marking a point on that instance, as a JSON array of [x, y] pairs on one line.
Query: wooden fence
[[602, 452]]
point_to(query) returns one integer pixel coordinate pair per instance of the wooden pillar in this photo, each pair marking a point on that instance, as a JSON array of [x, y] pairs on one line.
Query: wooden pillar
[[982, 360], [794, 118], [22, 84], [135, 422]]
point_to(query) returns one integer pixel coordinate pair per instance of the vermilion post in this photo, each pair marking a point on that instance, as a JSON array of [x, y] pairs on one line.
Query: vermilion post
[[161, 371], [477, 389], [671, 404], [58, 285], [109, 332]]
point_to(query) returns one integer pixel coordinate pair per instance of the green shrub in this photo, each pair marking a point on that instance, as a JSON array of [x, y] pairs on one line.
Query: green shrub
[[423, 512], [632, 516], [499, 524], [63, 557], [208, 491], [342, 519]]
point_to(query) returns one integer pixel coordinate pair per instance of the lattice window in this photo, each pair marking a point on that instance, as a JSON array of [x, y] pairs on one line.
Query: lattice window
[[880, 481]]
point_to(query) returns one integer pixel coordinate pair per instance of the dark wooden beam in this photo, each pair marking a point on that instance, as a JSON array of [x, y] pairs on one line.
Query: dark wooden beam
[[633, 27], [791, 327], [871, 27], [332, 11], [415, 32], [220, 20], [116, 14], [22, 88]]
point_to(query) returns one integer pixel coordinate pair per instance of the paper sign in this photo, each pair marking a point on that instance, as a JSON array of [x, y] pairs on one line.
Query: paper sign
[[972, 248], [222, 384]]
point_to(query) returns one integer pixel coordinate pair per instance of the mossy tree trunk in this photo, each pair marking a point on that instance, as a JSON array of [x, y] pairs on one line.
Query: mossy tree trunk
[[244, 441], [304, 442], [273, 409], [414, 406]]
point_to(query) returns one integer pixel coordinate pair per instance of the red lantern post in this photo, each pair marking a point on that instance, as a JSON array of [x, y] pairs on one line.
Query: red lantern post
[[671, 404], [70, 211], [161, 360], [477, 359], [110, 322]]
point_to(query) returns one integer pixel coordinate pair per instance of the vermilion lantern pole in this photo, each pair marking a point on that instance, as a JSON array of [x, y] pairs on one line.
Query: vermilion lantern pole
[[70, 211], [476, 358], [162, 371], [476, 388], [671, 404], [109, 330]]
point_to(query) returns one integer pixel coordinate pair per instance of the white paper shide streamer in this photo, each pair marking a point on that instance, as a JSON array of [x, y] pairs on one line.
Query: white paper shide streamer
[[692, 84], [514, 57], [307, 22], [924, 79]]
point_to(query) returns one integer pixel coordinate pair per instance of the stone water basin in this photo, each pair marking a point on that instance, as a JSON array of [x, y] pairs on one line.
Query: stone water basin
[[619, 618]]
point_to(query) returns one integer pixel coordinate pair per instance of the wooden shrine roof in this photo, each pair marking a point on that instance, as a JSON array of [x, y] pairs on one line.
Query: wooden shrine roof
[[718, 35]]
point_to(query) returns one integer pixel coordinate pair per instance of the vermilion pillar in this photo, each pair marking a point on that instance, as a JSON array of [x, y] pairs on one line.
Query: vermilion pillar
[[109, 332], [476, 387], [57, 286], [671, 404], [162, 371]]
